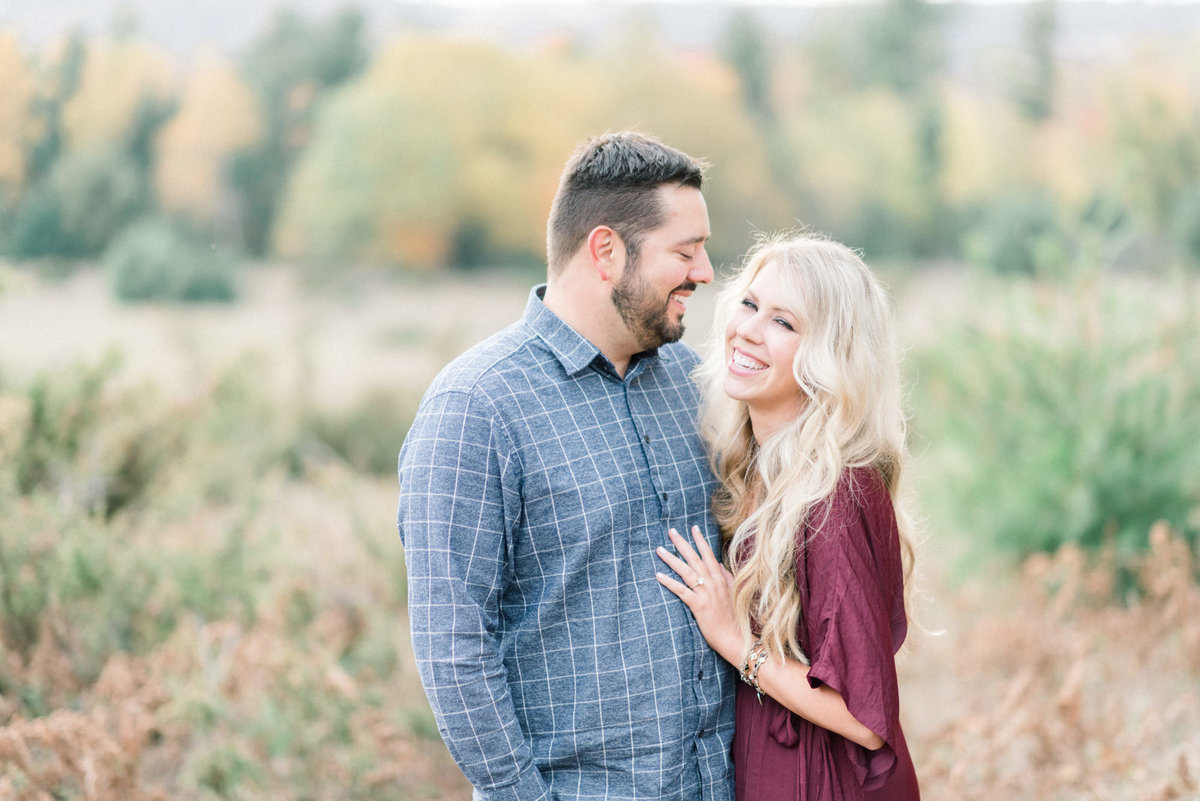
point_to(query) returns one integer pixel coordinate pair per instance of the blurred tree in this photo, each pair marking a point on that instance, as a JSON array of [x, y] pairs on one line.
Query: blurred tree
[[442, 150], [99, 190], [866, 185], [904, 50], [290, 66], [217, 116], [65, 68], [1034, 83], [75, 211], [17, 88], [895, 48], [91, 149], [903, 47], [1155, 148], [694, 101], [751, 55], [748, 52], [122, 86]]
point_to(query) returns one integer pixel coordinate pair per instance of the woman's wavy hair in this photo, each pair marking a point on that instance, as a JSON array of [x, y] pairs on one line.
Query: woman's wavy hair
[[848, 369]]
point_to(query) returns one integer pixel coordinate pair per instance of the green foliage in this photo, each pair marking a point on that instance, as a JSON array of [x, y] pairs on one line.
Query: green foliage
[[79, 463], [1185, 228], [222, 770], [87, 198], [366, 434], [99, 192], [36, 227], [902, 47], [748, 52], [45, 149], [1037, 73], [1065, 415], [290, 65], [1019, 233], [156, 259], [61, 415]]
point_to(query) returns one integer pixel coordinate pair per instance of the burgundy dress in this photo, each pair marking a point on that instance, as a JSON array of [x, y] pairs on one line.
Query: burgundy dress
[[852, 623]]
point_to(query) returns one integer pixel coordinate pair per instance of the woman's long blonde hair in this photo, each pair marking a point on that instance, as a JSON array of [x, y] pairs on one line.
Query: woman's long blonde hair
[[847, 368]]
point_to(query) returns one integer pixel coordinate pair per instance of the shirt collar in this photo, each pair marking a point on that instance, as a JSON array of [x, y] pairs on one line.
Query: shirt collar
[[574, 351]]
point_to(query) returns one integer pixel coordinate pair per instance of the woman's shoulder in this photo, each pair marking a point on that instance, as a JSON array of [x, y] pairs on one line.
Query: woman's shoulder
[[857, 512], [859, 489]]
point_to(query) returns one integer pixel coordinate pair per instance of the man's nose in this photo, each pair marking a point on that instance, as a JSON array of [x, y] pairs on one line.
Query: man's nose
[[702, 269]]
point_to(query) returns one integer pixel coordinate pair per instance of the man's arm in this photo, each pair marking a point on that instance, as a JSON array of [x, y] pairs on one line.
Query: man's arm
[[457, 497]]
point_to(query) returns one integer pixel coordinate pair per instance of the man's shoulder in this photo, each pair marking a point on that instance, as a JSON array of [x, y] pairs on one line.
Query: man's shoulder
[[491, 364]]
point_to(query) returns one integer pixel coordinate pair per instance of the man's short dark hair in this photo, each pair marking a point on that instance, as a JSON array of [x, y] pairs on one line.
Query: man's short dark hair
[[612, 180]]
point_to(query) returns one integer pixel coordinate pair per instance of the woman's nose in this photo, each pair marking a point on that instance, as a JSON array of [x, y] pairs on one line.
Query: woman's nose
[[750, 329]]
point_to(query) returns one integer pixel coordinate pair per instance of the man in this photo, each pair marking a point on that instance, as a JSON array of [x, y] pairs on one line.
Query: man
[[543, 468]]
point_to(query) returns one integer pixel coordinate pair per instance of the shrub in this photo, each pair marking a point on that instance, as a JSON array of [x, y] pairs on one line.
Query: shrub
[[1186, 225], [1018, 234], [1065, 415], [367, 435], [155, 259], [75, 212]]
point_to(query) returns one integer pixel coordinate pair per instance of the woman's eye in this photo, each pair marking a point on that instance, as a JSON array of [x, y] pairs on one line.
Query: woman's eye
[[749, 304], [785, 323]]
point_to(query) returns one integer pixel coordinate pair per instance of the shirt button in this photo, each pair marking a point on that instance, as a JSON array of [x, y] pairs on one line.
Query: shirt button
[[664, 496], [647, 438], [700, 675]]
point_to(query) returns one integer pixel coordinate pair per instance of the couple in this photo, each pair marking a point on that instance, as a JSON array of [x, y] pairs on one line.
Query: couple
[[572, 642]]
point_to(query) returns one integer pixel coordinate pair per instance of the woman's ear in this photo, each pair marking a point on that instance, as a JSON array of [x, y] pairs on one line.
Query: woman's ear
[[605, 250]]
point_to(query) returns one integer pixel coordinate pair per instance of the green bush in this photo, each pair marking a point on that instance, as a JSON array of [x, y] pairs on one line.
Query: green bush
[[86, 469], [1186, 225], [367, 436], [155, 259], [1064, 414], [1020, 233], [77, 209]]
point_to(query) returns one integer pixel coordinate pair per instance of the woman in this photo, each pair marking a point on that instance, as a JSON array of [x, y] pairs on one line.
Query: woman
[[802, 415]]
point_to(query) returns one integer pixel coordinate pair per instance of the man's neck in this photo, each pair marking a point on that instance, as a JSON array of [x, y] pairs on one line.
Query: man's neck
[[593, 317]]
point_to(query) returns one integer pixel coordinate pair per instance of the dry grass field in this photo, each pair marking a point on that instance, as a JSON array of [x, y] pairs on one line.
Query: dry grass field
[[240, 633]]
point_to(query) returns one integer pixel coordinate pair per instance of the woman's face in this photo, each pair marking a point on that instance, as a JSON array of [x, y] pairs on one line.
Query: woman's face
[[760, 345]]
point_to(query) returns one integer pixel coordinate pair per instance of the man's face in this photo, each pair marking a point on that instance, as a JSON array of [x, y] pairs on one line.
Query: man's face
[[651, 294]]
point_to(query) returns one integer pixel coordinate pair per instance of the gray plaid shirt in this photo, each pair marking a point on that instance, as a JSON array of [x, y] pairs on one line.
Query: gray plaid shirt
[[534, 486]]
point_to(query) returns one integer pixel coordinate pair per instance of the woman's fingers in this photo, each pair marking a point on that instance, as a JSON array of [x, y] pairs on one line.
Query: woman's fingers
[[704, 549], [675, 563], [674, 586], [694, 564], [681, 545]]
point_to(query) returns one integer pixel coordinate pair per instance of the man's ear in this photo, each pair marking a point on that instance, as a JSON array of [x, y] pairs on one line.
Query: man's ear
[[606, 251]]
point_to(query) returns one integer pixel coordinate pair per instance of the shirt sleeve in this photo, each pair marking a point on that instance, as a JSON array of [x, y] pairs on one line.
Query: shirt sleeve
[[852, 571], [459, 498]]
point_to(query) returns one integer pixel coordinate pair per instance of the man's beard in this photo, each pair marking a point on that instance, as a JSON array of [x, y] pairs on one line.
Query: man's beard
[[645, 316]]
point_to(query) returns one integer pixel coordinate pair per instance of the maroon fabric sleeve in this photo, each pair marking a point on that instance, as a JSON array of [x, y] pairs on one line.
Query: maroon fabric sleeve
[[851, 564]]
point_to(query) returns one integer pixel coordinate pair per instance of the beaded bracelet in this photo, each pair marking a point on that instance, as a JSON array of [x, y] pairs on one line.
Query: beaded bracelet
[[762, 657], [745, 670], [753, 661]]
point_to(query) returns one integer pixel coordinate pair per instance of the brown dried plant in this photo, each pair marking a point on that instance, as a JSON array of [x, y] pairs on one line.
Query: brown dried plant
[[1059, 689]]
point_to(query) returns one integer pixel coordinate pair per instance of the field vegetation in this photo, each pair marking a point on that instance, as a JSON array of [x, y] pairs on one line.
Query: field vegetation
[[203, 595]]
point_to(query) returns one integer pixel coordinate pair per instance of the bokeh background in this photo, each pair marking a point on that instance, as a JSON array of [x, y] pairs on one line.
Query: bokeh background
[[238, 239]]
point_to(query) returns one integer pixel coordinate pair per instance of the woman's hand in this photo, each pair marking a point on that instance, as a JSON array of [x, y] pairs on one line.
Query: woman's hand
[[706, 586]]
